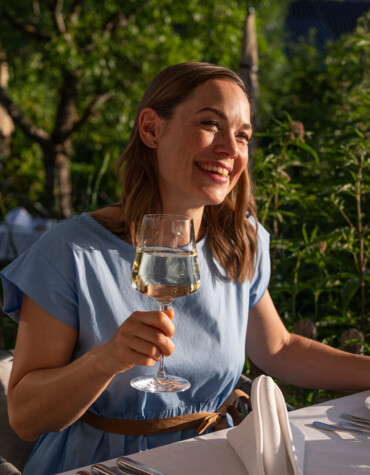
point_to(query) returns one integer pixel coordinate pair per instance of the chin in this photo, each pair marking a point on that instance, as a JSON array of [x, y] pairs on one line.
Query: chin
[[215, 201], [209, 199]]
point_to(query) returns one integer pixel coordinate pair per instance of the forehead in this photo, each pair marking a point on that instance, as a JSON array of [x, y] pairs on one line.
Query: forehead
[[221, 94]]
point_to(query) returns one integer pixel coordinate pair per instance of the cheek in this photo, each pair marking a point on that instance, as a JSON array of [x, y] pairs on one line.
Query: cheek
[[238, 170], [200, 140]]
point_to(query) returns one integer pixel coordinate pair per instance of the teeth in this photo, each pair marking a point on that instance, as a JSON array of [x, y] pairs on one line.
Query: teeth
[[213, 168]]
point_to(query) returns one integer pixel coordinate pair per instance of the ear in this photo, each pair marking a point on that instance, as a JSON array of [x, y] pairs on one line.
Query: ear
[[149, 122]]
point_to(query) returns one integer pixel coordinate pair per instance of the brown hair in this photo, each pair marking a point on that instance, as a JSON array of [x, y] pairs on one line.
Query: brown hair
[[232, 237]]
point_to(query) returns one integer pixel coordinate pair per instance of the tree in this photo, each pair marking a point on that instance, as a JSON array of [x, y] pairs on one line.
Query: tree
[[80, 66]]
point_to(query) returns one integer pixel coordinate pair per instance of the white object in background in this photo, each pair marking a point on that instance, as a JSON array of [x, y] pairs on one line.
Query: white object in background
[[19, 231], [19, 217], [266, 442]]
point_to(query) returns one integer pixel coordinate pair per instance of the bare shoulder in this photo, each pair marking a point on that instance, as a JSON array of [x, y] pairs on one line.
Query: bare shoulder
[[112, 218], [109, 213]]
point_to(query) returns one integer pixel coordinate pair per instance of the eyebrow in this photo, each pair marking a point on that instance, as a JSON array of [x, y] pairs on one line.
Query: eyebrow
[[218, 112]]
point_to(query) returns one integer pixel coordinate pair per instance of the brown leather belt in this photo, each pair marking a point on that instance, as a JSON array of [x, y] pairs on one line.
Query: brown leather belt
[[203, 421]]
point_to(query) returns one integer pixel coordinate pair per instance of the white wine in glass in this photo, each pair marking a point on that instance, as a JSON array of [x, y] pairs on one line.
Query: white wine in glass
[[165, 268]]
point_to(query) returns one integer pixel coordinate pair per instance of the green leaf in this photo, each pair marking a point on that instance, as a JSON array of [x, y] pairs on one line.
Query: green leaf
[[349, 289], [308, 149]]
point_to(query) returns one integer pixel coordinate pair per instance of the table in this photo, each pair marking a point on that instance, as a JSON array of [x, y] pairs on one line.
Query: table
[[326, 453]]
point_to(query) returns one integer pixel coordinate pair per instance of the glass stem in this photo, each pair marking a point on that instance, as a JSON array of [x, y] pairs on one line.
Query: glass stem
[[161, 373]]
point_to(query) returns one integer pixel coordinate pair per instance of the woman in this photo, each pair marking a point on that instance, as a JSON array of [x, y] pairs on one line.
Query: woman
[[84, 333]]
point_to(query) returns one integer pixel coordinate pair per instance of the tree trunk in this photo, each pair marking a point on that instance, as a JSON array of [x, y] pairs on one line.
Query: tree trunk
[[57, 147], [63, 183], [65, 118], [49, 166], [58, 189], [249, 71]]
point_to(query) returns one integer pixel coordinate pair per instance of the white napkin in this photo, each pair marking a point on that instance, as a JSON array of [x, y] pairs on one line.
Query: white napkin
[[265, 441]]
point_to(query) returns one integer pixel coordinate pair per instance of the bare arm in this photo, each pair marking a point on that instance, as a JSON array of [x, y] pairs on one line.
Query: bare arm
[[298, 360], [44, 381]]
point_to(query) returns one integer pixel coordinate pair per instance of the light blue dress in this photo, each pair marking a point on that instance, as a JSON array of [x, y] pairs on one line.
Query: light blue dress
[[80, 272]]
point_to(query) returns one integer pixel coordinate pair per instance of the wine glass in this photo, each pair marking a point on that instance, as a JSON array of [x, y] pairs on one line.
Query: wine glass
[[165, 268]]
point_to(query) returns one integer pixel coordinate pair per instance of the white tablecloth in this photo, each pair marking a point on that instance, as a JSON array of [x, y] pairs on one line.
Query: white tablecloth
[[326, 453]]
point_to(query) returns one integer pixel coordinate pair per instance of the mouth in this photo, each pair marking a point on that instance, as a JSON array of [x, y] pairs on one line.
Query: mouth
[[220, 170]]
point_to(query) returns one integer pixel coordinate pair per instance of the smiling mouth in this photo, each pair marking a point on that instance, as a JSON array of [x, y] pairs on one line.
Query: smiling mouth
[[213, 168]]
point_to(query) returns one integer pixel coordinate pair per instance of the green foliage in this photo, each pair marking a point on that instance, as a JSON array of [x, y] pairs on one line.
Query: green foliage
[[273, 68], [117, 48], [312, 164], [111, 47], [313, 188]]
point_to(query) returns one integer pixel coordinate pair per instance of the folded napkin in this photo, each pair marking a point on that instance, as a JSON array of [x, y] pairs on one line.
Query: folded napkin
[[265, 441]]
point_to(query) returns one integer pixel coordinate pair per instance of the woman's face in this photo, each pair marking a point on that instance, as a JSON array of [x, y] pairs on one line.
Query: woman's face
[[203, 149]]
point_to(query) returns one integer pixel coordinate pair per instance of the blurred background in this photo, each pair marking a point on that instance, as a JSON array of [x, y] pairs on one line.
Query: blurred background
[[71, 76]]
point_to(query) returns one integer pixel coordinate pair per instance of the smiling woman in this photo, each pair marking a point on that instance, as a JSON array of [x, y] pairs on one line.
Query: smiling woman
[[201, 153], [193, 120], [84, 333]]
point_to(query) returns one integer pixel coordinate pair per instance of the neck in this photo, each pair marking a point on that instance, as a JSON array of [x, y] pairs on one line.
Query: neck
[[196, 214]]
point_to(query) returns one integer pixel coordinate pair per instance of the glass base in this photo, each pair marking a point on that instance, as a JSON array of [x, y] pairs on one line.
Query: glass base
[[151, 384]]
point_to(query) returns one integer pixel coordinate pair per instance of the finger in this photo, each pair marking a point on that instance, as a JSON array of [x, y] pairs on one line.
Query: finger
[[151, 342], [137, 358], [146, 353], [145, 348], [137, 329], [165, 323], [156, 319], [170, 313], [125, 355]]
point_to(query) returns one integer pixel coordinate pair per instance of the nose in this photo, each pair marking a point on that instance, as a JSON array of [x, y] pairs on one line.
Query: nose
[[227, 145]]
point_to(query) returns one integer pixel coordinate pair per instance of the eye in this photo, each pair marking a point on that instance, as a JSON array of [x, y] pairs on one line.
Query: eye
[[244, 137], [210, 124]]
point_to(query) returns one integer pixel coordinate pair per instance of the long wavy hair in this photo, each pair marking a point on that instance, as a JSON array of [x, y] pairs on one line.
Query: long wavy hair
[[232, 237]]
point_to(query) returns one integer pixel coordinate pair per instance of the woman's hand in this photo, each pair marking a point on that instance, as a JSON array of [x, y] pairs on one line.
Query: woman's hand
[[45, 381], [140, 340]]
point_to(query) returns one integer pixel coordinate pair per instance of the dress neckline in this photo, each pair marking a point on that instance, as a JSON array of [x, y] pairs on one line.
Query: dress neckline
[[97, 225]]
